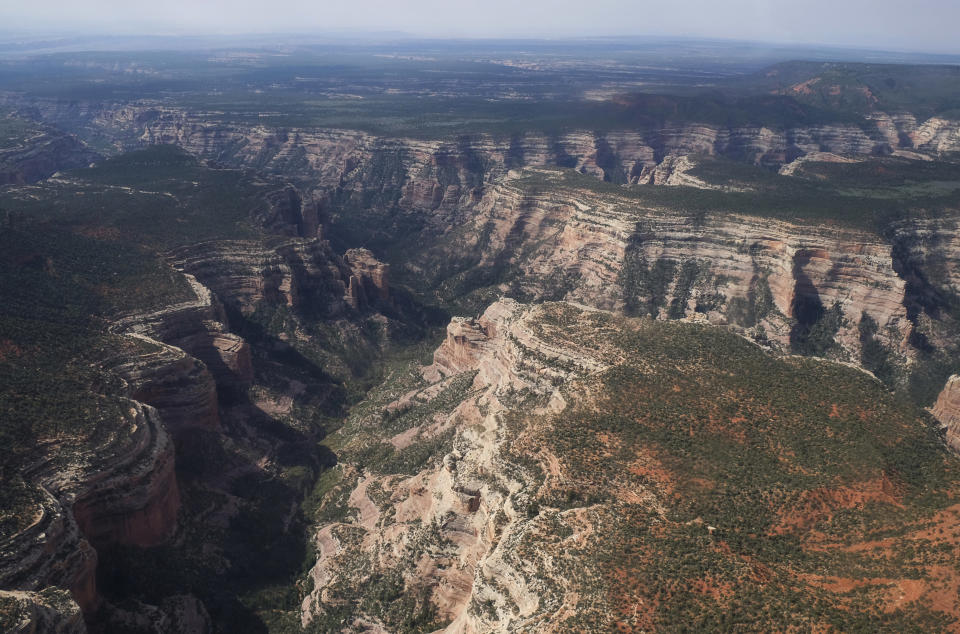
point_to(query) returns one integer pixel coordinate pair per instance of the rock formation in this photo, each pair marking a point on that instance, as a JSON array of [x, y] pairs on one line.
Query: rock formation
[[577, 245], [469, 497], [369, 280], [122, 489], [446, 184], [141, 508], [177, 384], [51, 610], [449, 530], [44, 153], [947, 411], [198, 328], [286, 213], [434, 174], [497, 530], [329, 155], [303, 274]]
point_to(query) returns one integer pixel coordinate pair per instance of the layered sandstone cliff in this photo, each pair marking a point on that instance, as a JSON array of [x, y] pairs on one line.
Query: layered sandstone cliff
[[439, 173], [497, 508], [198, 327], [51, 610], [369, 279], [947, 411], [180, 386], [928, 253], [118, 488], [302, 274], [451, 527], [580, 246], [627, 156], [135, 501], [452, 183]]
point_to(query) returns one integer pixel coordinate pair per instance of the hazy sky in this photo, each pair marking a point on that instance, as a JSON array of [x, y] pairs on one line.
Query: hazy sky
[[922, 25]]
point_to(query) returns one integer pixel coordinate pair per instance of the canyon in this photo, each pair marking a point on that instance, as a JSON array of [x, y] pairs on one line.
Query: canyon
[[463, 193], [677, 371], [329, 155], [492, 531]]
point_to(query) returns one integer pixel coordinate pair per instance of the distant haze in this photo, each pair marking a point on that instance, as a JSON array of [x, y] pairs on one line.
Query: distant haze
[[919, 25]]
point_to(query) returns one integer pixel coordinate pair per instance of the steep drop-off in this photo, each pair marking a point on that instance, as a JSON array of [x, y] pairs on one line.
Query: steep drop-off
[[329, 157], [559, 467], [117, 489], [562, 469], [760, 276], [947, 411]]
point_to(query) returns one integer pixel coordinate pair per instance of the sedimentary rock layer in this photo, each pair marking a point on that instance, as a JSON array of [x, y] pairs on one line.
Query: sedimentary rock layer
[[50, 611], [947, 411], [198, 328], [574, 245], [434, 173], [630, 156], [120, 490], [469, 496], [303, 274]]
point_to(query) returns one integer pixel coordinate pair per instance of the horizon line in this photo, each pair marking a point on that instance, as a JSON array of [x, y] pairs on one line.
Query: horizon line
[[371, 35]]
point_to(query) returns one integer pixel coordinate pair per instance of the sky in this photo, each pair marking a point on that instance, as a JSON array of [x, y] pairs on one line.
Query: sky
[[917, 25]]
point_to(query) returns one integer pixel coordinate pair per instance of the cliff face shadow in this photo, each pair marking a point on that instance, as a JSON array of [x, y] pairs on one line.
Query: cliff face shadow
[[242, 541], [921, 295], [807, 308]]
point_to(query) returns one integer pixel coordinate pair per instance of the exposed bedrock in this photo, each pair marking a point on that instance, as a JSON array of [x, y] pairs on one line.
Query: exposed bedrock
[[198, 328], [369, 278], [467, 339], [177, 384], [287, 213], [947, 411], [475, 531], [51, 611], [437, 173], [121, 489], [303, 274], [178, 360], [936, 134], [140, 506], [626, 156], [927, 253], [474, 499], [51, 552], [730, 269]]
